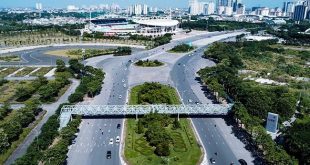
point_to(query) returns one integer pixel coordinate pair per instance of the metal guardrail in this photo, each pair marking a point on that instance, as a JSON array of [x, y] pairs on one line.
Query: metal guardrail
[[103, 110]]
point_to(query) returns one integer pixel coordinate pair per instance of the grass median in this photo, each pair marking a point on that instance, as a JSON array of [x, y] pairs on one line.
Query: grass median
[[183, 147]]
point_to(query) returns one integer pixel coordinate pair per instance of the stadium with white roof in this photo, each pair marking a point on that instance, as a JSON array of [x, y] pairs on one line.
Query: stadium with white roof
[[152, 27]]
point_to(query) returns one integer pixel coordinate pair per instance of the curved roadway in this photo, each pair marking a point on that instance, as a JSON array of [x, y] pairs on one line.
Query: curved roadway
[[92, 142]]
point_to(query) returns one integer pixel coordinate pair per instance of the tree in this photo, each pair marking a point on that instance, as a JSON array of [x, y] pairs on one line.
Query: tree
[[4, 141], [4, 110], [75, 66], [176, 124], [12, 129], [162, 149], [140, 128], [61, 66], [24, 92], [76, 97]]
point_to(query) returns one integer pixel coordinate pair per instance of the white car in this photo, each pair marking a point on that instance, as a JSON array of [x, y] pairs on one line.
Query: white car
[[111, 141], [117, 140], [120, 96], [189, 100]]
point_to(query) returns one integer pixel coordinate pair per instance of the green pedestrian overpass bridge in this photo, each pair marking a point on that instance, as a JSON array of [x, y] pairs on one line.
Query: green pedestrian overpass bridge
[[120, 110]]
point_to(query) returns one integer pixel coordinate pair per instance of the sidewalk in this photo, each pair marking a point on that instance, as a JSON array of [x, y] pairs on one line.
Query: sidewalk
[[3, 51], [51, 109]]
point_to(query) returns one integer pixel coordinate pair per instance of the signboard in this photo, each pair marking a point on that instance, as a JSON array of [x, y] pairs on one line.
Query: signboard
[[272, 122]]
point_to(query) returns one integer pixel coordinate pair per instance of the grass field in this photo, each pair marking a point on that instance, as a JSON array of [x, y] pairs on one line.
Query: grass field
[[184, 149], [62, 53], [24, 72], [42, 71], [10, 58], [77, 53], [8, 90], [8, 71]]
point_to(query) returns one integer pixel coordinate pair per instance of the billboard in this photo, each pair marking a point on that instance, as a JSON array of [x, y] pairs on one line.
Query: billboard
[[272, 122]]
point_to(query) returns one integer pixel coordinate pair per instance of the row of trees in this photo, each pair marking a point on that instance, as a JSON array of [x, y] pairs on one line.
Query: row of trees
[[57, 154], [293, 34], [25, 91], [254, 101], [212, 25], [268, 149], [11, 128], [41, 150], [47, 90], [49, 132], [91, 80], [122, 51], [162, 39]]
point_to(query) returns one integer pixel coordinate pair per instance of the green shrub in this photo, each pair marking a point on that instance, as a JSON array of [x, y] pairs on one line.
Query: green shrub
[[182, 48]]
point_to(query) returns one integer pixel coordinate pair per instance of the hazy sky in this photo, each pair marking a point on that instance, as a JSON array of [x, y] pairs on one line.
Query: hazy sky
[[124, 3]]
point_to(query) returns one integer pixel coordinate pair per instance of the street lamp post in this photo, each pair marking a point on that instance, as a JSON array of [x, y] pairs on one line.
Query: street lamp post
[[83, 54]]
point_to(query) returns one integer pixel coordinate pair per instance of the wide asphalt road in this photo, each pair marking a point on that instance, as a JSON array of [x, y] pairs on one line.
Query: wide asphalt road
[[92, 142], [212, 139], [37, 56]]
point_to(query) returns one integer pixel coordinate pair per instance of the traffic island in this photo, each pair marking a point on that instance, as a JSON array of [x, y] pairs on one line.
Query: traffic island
[[149, 63], [157, 138]]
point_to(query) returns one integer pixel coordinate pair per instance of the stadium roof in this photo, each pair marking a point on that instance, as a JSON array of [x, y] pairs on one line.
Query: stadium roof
[[157, 22]]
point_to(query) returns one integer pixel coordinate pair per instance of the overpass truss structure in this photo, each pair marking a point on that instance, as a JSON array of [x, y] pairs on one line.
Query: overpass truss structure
[[104, 110]]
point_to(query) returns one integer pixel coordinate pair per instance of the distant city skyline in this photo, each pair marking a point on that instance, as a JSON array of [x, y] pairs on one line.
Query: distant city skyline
[[125, 3]]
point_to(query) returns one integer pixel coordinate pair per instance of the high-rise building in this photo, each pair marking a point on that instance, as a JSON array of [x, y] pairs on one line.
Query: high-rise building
[[194, 7], [306, 3], [115, 8], [209, 8], [220, 10], [39, 6], [300, 12], [219, 3], [288, 8], [240, 9], [228, 10], [138, 9], [228, 3], [235, 5], [145, 10]]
